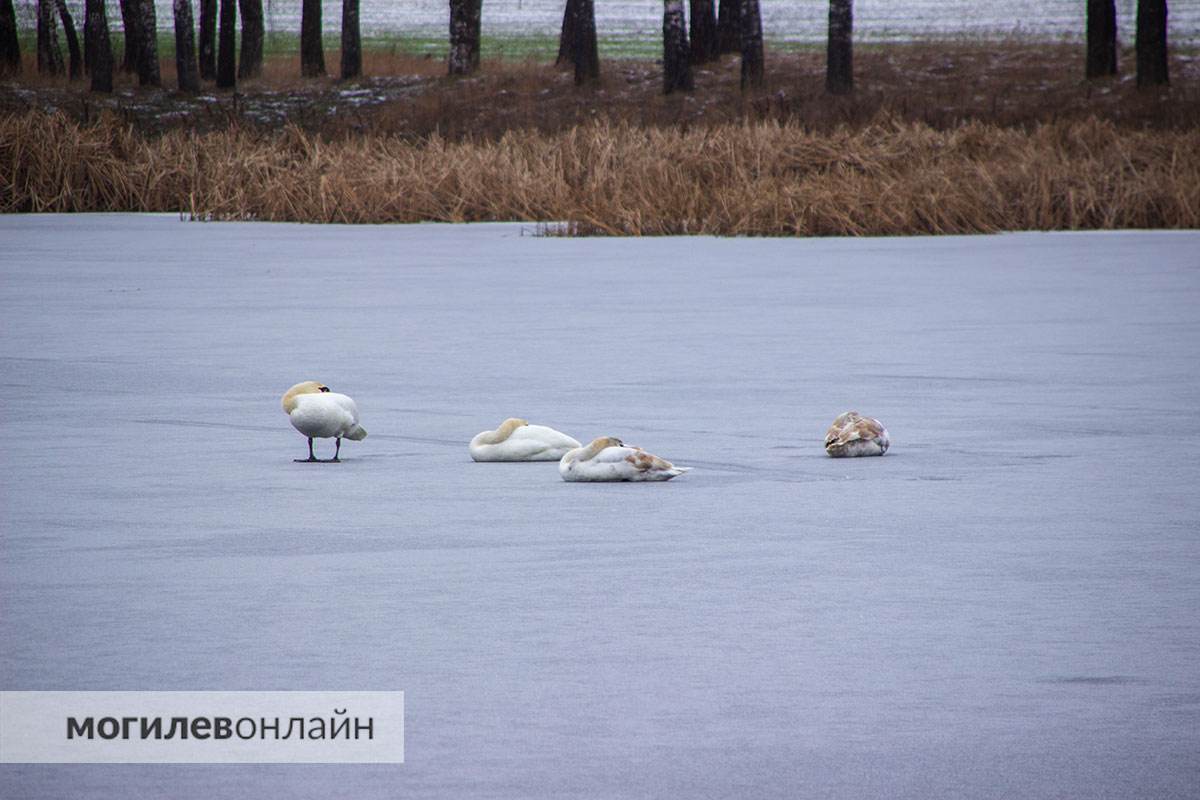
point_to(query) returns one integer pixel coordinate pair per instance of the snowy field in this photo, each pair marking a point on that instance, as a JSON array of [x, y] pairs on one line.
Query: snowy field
[[783, 20], [1006, 605]]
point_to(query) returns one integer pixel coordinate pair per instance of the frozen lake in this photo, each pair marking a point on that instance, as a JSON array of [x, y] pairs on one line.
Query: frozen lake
[[1006, 605], [783, 20]]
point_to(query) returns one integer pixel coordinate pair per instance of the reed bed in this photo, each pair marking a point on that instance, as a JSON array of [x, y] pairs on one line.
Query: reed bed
[[754, 178]]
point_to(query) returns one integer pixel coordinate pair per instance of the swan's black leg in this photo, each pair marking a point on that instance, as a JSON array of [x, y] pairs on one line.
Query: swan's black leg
[[337, 450], [311, 457]]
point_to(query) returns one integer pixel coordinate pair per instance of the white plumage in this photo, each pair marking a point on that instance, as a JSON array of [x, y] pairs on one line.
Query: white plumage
[[517, 440], [321, 414], [609, 459]]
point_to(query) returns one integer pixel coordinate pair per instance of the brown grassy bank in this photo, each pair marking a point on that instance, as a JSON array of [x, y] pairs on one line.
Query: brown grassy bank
[[762, 178]]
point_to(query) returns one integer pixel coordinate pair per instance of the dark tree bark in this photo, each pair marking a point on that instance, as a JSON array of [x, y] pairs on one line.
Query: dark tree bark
[[98, 43], [464, 36], [677, 65], [226, 42], [584, 51], [1101, 38], [703, 35], [208, 39], [566, 36], [10, 45], [312, 51], [250, 61], [729, 26], [351, 41], [130, 19], [186, 69], [49, 56], [839, 53], [1152, 43], [76, 57], [752, 44], [147, 48]]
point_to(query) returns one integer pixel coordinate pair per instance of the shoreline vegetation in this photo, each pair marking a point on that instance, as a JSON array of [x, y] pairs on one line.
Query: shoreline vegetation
[[959, 137]]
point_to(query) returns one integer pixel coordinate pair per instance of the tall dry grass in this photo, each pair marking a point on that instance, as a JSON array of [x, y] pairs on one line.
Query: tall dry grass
[[762, 178]]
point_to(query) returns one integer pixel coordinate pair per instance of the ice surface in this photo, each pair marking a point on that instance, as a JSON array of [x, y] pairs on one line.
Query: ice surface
[[788, 20], [1007, 604]]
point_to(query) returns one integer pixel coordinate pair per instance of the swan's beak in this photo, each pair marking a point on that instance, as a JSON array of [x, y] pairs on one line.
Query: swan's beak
[[324, 388]]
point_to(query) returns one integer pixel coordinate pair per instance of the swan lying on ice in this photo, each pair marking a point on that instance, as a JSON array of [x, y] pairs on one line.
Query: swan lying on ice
[[321, 414], [852, 434], [517, 440], [609, 459]]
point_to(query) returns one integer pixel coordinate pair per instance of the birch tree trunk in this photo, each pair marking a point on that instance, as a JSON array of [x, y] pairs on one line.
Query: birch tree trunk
[[584, 50], [10, 44], [226, 43], [49, 56], [464, 36], [147, 47], [100, 46], [677, 65], [351, 41], [566, 36], [76, 58], [186, 70], [312, 51], [1101, 38], [129, 24], [839, 53], [250, 60], [729, 26], [752, 44], [208, 39], [1152, 43], [703, 34]]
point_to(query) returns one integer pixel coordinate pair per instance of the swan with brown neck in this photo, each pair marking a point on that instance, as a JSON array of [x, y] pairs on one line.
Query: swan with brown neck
[[610, 459]]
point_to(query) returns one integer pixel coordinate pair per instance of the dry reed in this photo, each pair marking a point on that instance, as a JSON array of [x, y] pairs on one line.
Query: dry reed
[[753, 178]]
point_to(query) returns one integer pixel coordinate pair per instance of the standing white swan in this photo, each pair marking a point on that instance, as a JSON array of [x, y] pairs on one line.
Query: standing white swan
[[609, 459], [852, 434], [517, 440], [321, 414]]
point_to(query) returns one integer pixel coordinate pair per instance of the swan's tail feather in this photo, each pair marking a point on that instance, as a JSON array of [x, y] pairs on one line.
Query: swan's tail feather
[[357, 433]]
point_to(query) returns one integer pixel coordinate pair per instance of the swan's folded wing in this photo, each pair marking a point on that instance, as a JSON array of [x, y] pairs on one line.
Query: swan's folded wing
[[345, 403], [647, 462]]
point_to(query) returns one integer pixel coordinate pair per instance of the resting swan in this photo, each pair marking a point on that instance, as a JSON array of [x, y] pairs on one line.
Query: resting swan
[[852, 434], [321, 414], [609, 459], [517, 440]]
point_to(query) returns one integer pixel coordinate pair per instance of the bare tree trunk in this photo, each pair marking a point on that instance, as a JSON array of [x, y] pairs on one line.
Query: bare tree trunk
[[677, 65], [250, 60], [584, 51], [752, 44], [1152, 43], [351, 41], [208, 39], [729, 26], [704, 32], [130, 18], [1101, 38], [226, 42], [49, 56], [147, 49], [312, 51], [839, 53], [76, 58], [97, 41], [566, 36], [186, 70], [10, 45], [464, 36]]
